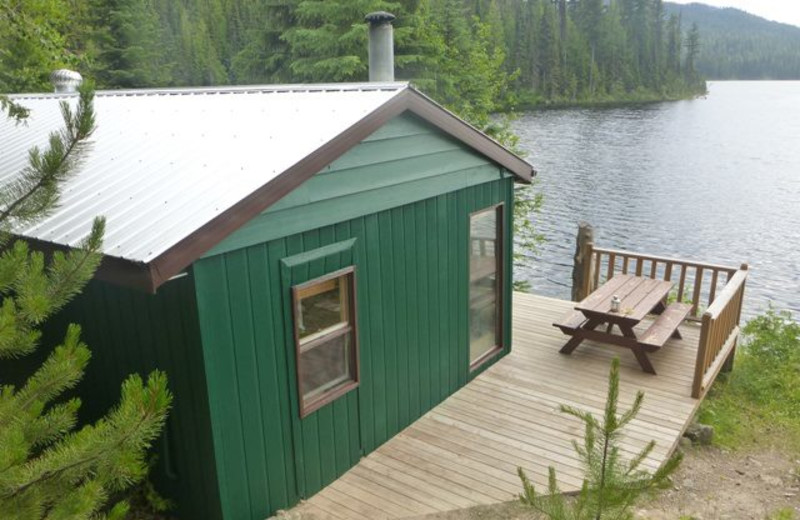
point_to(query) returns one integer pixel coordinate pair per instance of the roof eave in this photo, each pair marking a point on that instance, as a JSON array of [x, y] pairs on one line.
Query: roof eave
[[150, 275]]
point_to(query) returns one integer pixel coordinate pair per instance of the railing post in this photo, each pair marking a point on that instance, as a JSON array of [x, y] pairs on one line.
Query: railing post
[[582, 262], [728, 366], [700, 363]]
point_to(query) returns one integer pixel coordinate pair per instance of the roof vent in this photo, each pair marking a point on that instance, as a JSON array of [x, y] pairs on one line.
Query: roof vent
[[65, 80], [381, 46]]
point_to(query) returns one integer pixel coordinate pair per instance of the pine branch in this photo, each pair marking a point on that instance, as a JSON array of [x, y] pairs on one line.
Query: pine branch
[[13, 110], [60, 372], [150, 404], [62, 286], [41, 179]]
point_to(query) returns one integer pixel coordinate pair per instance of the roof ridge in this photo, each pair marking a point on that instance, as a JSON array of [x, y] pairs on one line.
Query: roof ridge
[[231, 89]]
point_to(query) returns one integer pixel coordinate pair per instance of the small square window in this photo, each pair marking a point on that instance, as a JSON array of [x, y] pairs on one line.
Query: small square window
[[327, 353]]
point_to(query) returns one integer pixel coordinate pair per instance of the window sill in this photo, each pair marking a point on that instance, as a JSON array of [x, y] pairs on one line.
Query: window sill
[[327, 398], [485, 358]]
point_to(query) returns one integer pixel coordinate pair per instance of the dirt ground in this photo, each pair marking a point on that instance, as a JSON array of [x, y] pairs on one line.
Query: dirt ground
[[710, 484]]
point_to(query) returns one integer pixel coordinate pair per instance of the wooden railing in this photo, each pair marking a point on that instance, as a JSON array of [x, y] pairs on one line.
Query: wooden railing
[[715, 292], [719, 333], [697, 283]]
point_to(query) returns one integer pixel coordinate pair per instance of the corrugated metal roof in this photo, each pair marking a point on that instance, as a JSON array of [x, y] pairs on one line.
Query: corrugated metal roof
[[166, 162]]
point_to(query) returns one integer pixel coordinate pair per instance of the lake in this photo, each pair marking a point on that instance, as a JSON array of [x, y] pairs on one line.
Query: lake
[[715, 179]]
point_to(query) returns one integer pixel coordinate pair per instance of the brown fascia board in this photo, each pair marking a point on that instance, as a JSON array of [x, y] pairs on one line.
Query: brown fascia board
[[149, 277]]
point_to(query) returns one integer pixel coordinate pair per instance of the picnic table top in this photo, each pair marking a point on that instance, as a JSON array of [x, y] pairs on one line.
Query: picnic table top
[[638, 295]]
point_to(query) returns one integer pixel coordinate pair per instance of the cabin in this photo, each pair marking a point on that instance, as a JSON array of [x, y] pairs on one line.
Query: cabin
[[315, 267]]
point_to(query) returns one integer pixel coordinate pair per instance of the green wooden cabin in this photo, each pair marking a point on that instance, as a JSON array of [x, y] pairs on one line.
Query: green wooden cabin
[[315, 267]]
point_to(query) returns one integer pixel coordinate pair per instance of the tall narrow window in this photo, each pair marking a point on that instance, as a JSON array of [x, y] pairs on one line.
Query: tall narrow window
[[485, 284], [327, 351]]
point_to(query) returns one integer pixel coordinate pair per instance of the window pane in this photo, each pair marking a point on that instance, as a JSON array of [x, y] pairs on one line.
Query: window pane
[[325, 366], [321, 307], [327, 352], [484, 311]]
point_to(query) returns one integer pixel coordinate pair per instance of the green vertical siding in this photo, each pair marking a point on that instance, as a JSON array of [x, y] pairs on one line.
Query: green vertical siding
[[411, 264], [327, 442], [129, 331]]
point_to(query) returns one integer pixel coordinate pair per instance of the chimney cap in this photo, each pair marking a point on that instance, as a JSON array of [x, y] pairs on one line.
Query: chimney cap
[[65, 80], [380, 17]]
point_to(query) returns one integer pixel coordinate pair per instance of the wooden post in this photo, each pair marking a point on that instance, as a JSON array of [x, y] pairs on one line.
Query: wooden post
[[700, 362], [582, 262], [728, 366]]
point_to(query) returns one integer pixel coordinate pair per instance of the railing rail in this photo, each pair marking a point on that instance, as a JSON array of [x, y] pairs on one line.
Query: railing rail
[[715, 292], [719, 332], [697, 283]]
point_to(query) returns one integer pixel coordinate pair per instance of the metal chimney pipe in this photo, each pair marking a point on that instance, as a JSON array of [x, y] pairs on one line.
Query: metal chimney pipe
[[65, 80], [381, 46]]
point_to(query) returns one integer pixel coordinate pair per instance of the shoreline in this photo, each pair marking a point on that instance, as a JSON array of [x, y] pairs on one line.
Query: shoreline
[[643, 99]]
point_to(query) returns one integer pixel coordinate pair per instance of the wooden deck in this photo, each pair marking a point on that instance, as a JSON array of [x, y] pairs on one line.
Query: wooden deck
[[465, 452]]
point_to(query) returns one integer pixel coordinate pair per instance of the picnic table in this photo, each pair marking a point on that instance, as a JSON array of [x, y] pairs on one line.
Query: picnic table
[[639, 297]]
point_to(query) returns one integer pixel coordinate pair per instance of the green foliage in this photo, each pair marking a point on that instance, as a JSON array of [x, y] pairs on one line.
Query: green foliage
[[34, 38], [611, 485], [464, 64], [48, 468], [527, 204], [34, 192], [759, 402], [474, 57], [739, 45], [13, 110], [328, 41], [787, 513], [128, 40]]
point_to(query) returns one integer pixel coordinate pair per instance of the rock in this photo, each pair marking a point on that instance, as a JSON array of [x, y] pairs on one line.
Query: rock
[[688, 483], [685, 442], [740, 472], [282, 514], [701, 434], [644, 514], [770, 480], [754, 461]]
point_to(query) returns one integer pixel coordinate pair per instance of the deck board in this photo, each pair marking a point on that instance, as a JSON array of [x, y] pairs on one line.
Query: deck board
[[465, 451]]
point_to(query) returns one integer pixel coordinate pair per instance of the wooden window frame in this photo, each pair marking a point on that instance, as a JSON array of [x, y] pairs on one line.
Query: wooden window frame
[[328, 396], [500, 212]]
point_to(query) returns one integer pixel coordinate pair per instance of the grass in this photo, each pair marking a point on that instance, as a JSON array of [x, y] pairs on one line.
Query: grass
[[783, 514], [758, 404]]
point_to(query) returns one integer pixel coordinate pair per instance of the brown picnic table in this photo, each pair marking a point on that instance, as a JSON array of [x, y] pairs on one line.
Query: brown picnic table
[[639, 297]]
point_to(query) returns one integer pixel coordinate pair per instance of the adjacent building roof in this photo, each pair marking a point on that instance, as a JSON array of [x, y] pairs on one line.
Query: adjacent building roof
[[174, 171]]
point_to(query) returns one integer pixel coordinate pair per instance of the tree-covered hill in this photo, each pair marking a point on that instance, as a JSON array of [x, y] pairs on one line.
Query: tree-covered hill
[[739, 45]]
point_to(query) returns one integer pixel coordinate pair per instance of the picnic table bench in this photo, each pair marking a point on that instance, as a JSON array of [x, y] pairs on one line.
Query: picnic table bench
[[639, 297]]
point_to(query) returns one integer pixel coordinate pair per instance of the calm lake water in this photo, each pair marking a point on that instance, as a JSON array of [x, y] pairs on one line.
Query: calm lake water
[[714, 179]]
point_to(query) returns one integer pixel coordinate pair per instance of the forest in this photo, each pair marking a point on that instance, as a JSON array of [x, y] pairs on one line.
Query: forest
[[739, 45], [475, 56]]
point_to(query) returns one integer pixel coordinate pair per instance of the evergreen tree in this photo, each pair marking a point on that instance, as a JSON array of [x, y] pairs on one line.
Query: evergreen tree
[[692, 50], [611, 485], [48, 469], [264, 56], [129, 35], [329, 39], [674, 45]]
